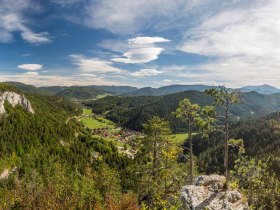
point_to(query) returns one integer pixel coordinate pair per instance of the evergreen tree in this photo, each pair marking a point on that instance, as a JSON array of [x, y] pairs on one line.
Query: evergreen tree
[[225, 98], [195, 117], [161, 175]]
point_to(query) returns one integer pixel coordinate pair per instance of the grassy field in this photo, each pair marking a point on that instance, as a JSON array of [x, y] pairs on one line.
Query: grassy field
[[103, 95], [179, 138], [94, 123], [87, 111]]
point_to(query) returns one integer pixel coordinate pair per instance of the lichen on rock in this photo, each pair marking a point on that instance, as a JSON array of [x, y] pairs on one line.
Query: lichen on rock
[[14, 99], [208, 193]]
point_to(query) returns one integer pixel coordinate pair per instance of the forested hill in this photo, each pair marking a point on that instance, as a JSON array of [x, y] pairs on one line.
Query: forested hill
[[27, 88], [80, 93], [261, 140], [134, 111], [47, 160], [149, 91]]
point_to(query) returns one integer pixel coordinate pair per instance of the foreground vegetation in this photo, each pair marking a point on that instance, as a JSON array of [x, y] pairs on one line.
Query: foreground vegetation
[[57, 165]]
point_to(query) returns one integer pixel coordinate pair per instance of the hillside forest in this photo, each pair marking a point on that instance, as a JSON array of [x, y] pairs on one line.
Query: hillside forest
[[102, 147]]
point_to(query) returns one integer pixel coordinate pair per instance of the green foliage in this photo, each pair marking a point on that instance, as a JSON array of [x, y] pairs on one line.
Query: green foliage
[[30, 89], [257, 182], [59, 165], [158, 169], [87, 111], [133, 112], [225, 98], [51, 162], [80, 93]]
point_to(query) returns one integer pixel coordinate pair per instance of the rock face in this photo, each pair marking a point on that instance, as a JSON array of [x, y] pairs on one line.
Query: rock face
[[14, 99], [5, 174], [208, 193]]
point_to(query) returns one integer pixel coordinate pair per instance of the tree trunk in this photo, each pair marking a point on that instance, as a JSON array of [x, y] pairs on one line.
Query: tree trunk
[[191, 150], [154, 159], [226, 150]]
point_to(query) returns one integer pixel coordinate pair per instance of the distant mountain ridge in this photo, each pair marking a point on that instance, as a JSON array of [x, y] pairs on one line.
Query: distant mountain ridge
[[263, 89], [149, 91], [132, 91]]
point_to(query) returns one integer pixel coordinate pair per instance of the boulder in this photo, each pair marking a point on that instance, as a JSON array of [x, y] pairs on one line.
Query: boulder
[[208, 193]]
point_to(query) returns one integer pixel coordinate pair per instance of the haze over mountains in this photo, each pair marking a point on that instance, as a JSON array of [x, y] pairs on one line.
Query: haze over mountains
[[132, 106], [94, 90]]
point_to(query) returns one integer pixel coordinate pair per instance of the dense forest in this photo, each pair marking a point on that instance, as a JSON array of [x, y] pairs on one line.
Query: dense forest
[[54, 161], [133, 112]]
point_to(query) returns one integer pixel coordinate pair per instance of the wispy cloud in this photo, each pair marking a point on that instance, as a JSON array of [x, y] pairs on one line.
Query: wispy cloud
[[65, 2], [245, 41], [50, 80], [127, 17], [94, 65], [141, 55], [246, 31], [147, 40], [12, 19], [31, 73], [146, 72], [30, 67], [137, 50]]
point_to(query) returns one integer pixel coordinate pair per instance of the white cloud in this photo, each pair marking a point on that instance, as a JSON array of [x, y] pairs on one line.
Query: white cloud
[[141, 55], [65, 2], [12, 20], [87, 75], [128, 17], [246, 31], [35, 38], [238, 32], [146, 72], [135, 50], [245, 42], [54, 80], [30, 67], [31, 73], [94, 65], [167, 80], [147, 40]]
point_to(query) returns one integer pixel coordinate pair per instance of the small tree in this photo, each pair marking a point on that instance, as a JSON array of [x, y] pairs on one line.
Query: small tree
[[189, 113], [206, 122], [225, 98], [257, 182], [159, 172]]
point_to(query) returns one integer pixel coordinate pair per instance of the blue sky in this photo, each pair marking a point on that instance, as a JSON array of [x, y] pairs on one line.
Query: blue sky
[[140, 42]]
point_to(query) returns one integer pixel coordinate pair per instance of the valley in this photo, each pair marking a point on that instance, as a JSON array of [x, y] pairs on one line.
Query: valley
[[113, 137], [139, 105]]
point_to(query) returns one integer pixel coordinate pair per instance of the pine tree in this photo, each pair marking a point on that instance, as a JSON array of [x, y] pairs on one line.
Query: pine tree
[[224, 98]]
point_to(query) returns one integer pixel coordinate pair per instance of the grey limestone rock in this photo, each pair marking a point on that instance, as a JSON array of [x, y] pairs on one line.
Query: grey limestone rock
[[208, 193], [14, 99]]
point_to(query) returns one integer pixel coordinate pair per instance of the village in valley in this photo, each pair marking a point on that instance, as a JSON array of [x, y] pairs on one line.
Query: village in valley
[[103, 128]]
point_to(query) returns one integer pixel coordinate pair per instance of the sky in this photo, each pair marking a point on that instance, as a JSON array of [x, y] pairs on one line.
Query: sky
[[140, 42]]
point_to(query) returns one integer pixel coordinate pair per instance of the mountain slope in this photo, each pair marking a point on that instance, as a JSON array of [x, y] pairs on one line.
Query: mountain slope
[[263, 89], [108, 89], [47, 163], [148, 91], [27, 88], [261, 140], [80, 93], [134, 111]]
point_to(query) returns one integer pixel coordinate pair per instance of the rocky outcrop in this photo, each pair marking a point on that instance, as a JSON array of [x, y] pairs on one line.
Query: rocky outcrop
[[14, 99], [208, 193], [6, 173]]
